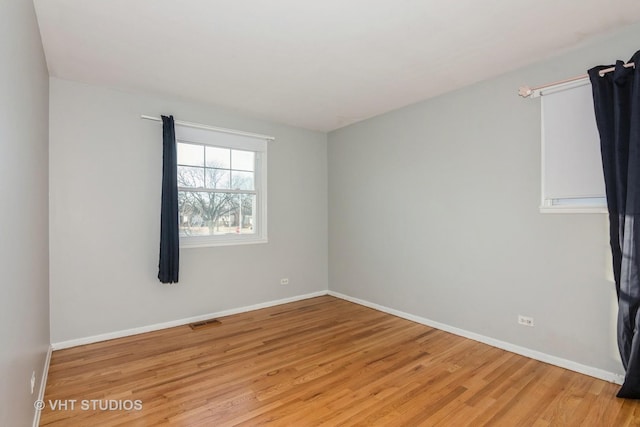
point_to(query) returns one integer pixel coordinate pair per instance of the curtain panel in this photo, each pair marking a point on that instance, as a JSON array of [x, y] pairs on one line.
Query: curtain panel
[[169, 242], [616, 98]]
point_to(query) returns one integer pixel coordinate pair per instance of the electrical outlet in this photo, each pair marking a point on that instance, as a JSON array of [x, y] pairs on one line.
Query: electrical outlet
[[284, 281], [524, 320], [33, 381]]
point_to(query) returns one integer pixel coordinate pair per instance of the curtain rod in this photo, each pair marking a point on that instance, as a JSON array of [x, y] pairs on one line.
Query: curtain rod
[[526, 91], [217, 129]]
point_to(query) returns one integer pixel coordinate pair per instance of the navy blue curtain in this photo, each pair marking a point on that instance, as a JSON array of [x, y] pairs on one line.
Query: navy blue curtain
[[169, 243], [616, 99]]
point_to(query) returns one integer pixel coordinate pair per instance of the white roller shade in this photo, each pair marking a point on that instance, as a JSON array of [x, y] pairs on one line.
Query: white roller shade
[[571, 162]]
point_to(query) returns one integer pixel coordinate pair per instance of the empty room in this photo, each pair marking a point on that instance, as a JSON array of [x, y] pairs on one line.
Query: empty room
[[295, 213]]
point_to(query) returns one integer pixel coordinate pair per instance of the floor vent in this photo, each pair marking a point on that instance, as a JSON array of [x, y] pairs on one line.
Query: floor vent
[[204, 324]]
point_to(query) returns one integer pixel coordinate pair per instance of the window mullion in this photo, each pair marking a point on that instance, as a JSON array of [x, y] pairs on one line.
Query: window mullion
[[215, 190], [204, 165]]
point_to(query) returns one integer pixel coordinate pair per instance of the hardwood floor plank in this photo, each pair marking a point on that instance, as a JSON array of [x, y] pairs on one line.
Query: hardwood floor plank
[[321, 361]]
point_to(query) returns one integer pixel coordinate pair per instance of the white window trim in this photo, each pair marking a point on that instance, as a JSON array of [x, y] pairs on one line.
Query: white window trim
[[243, 141]]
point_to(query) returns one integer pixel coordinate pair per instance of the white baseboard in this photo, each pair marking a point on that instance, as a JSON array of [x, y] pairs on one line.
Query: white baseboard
[[149, 328], [533, 354], [43, 385]]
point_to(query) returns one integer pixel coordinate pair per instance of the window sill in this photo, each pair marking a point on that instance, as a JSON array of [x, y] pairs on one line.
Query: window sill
[[206, 242], [573, 210]]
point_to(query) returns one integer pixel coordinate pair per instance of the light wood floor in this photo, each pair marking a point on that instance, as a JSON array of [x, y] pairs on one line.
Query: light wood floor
[[322, 361]]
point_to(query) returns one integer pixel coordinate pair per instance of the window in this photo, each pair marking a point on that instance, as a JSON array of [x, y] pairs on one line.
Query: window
[[572, 179], [222, 196]]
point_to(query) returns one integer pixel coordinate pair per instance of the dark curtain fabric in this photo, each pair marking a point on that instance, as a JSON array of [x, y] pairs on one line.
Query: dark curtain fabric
[[169, 243], [616, 98]]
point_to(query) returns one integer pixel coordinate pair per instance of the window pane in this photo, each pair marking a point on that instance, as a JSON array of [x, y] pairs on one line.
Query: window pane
[[243, 213], [218, 178], [243, 160], [206, 214], [218, 157], [242, 180], [190, 177], [189, 154]]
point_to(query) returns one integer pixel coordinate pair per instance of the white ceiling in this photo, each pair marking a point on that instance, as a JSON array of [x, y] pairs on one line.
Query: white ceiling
[[316, 64]]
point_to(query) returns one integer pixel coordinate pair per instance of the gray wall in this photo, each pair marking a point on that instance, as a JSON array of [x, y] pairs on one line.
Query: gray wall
[[433, 210], [105, 174], [24, 238]]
